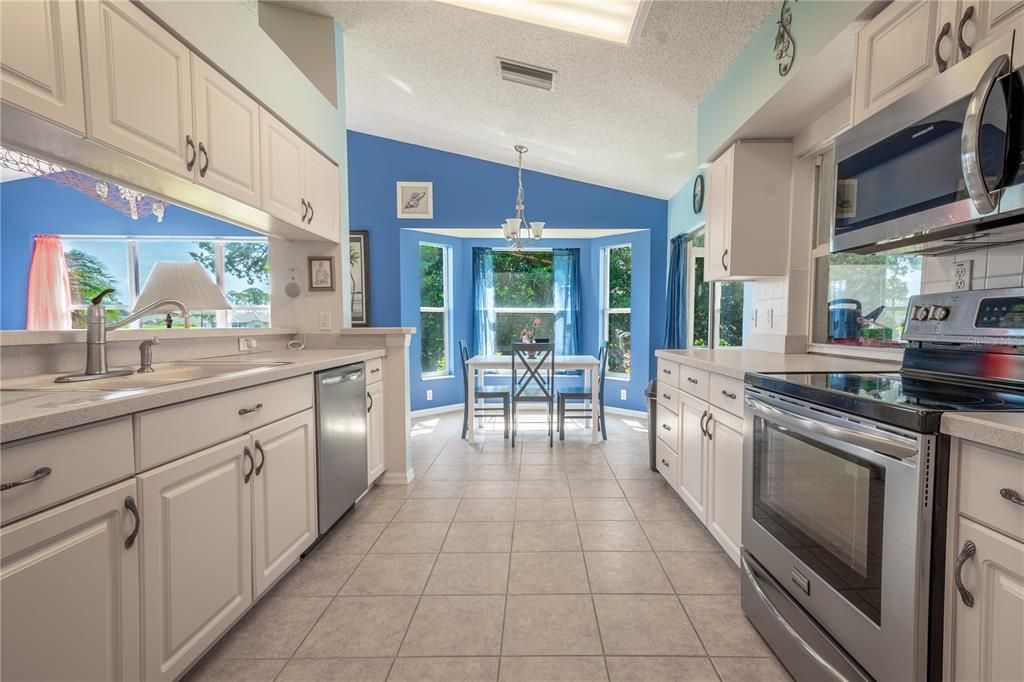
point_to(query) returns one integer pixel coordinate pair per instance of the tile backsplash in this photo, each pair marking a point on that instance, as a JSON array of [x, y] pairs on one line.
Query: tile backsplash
[[995, 267]]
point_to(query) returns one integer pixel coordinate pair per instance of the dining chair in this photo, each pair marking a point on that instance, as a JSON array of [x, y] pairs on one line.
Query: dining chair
[[533, 381], [582, 393], [480, 394]]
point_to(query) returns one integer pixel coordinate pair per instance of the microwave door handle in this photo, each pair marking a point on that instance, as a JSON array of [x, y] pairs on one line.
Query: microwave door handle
[[870, 441], [970, 140]]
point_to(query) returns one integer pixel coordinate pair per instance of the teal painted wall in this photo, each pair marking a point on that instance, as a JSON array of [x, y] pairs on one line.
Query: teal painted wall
[[754, 78], [681, 218]]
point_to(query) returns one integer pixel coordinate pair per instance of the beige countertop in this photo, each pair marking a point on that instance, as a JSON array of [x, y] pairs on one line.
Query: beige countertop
[[736, 362], [32, 412], [1003, 430]]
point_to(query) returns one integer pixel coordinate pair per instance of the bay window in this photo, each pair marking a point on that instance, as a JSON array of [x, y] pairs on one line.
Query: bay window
[[435, 304], [524, 296], [617, 288]]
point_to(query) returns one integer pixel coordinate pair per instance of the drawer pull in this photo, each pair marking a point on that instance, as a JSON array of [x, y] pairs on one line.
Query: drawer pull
[[730, 396], [374, 370], [666, 371], [263, 458], [665, 463], [38, 475], [1011, 495], [692, 380], [129, 504], [249, 410], [965, 554], [666, 396], [247, 453], [666, 427]]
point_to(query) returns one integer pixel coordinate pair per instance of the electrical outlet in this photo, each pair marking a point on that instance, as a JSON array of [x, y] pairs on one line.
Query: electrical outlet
[[622, 394], [325, 321], [962, 276], [246, 343], [430, 394]]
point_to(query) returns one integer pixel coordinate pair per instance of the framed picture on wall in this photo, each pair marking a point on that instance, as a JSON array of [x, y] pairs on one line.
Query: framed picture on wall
[[359, 272], [321, 273], [415, 199]]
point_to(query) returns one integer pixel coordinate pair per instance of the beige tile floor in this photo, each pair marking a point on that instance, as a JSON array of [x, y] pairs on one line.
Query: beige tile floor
[[528, 563]]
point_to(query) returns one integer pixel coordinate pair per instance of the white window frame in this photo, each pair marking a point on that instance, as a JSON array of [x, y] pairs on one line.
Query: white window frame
[[715, 302], [134, 280], [547, 311], [446, 265], [606, 310]]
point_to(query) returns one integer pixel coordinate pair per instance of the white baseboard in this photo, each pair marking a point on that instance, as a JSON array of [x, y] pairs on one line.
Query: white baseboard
[[454, 407], [457, 407], [639, 414], [396, 478]]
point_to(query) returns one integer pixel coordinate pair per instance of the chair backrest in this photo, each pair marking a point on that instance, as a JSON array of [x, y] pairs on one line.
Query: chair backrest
[[602, 367], [464, 361], [537, 371]]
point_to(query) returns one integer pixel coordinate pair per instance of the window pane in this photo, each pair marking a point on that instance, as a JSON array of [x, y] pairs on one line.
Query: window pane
[[730, 314], [431, 276], [618, 343], [701, 303], [523, 279], [433, 358], [510, 326], [95, 265], [862, 300], [620, 271], [246, 277]]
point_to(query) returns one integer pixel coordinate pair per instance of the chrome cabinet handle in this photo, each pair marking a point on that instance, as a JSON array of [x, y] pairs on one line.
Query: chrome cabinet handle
[[189, 144], [305, 209], [37, 475], [206, 161], [263, 458], [730, 396], [939, 61], [247, 453], [311, 213], [702, 418], [970, 140], [1011, 495], [129, 504], [249, 410], [724, 254], [707, 426], [968, 551], [370, 406], [965, 49]]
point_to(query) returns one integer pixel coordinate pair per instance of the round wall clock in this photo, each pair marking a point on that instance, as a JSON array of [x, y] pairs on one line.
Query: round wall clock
[[698, 193]]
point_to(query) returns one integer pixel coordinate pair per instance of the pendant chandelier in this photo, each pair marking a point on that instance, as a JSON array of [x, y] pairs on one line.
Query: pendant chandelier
[[517, 231]]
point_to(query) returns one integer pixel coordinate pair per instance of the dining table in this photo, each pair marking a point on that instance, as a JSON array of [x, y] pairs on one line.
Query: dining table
[[483, 363]]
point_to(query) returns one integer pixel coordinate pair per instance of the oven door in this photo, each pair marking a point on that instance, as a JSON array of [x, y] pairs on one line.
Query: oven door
[[832, 509]]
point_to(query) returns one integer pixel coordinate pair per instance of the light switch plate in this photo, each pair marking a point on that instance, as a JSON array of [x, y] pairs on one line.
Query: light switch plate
[[325, 321], [430, 394], [962, 276], [622, 394]]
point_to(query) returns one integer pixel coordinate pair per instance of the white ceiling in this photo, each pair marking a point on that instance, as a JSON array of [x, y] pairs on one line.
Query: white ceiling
[[623, 117]]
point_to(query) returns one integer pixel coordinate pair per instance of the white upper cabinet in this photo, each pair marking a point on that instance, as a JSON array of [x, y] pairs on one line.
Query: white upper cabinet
[[69, 591], [989, 19], [322, 194], [282, 156], [227, 135], [747, 218], [284, 496], [41, 60]]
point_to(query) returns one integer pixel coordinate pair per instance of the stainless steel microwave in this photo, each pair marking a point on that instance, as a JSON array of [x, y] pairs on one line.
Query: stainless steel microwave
[[940, 168]]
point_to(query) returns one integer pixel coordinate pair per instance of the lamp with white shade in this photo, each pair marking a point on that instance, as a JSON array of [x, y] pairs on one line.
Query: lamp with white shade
[[187, 282]]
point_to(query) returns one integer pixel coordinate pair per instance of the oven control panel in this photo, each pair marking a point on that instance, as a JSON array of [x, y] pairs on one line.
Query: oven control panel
[[1001, 313], [991, 316]]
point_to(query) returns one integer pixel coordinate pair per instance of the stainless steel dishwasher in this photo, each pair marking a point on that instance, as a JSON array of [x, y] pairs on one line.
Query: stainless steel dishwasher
[[341, 441]]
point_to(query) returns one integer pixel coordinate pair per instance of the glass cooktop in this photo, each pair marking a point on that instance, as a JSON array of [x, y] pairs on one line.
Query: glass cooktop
[[911, 403]]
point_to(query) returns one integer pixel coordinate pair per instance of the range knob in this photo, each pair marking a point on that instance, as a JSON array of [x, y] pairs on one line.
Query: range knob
[[939, 312], [920, 313]]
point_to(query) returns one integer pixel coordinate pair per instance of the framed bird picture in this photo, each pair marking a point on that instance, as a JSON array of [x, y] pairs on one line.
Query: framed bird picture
[[415, 199]]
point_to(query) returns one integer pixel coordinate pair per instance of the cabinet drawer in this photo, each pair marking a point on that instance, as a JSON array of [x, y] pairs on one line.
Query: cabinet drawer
[[694, 381], [668, 464], [668, 397], [374, 370], [726, 393], [668, 428], [668, 372], [79, 460], [170, 432], [984, 472]]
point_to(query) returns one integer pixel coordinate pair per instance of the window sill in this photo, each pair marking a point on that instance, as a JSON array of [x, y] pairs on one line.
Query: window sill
[[618, 377], [863, 352], [435, 377]]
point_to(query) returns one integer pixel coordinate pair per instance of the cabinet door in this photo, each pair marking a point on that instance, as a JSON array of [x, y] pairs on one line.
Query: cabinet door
[[284, 496], [281, 157], [719, 217], [322, 192], [692, 455], [374, 431], [42, 60], [197, 554], [725, 465], [992, 19], [896, 52], [227, 135], [987, 637], [140, 85], [69, 592]]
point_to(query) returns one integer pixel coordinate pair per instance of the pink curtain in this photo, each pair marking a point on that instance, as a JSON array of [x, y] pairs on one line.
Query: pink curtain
[[49, 290]]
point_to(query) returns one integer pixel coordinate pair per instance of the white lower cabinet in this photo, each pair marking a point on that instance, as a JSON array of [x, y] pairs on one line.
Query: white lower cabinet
[[988, 636], [197, 553], [284, 496], [69, 591], [725, 503], [693, 455], [374, 431]]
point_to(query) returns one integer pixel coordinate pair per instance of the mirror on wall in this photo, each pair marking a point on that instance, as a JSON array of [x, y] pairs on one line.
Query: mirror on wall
[[66, 236]]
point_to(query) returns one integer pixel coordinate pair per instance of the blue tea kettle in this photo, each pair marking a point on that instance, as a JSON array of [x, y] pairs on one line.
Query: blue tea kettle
[[845, 319]]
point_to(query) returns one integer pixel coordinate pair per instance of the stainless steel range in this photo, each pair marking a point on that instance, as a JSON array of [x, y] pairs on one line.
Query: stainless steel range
[[845, 491]]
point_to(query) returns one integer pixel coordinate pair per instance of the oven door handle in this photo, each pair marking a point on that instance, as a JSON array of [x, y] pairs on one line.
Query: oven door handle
[[970, 140], [886, 446]]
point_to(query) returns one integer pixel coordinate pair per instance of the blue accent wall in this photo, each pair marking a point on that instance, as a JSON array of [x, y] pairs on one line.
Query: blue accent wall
[[39, 206], [471, 193]]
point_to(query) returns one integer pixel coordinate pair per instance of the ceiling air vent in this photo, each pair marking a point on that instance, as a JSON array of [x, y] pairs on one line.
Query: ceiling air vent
[[534, 76]]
